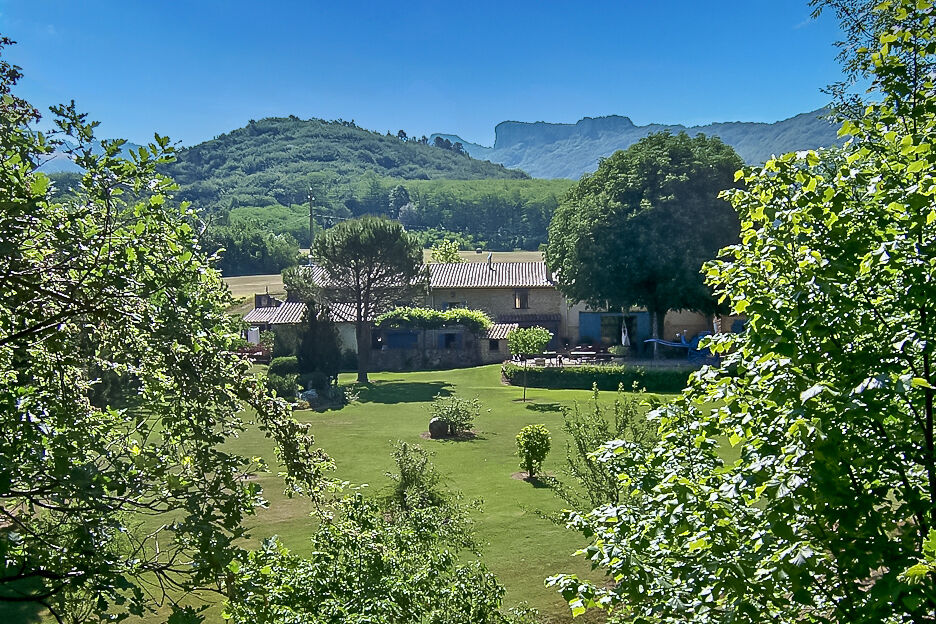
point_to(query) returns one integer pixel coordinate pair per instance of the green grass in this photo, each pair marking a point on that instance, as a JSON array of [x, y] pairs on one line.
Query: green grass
[[520, 546]]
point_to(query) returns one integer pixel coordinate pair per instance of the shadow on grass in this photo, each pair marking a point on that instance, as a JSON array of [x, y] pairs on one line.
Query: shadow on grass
[[544, 407], [540, 482], [464, 436], [393, 391]]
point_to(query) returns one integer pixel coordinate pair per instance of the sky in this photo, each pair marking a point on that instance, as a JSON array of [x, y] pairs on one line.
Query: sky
[[194, 70]]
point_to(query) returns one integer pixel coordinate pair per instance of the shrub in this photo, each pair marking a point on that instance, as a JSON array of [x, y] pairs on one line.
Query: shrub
[[284, 386], [283, 366], [607, 377], [617, 350], [532, 446], [416, 484], [426, 318], [456, 412]]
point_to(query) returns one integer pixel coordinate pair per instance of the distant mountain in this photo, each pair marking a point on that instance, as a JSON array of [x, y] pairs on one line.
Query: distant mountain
[[276, 160], [551, 150], [61, 162]]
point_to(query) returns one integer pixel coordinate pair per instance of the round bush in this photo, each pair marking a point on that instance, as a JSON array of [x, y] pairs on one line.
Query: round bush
[[533, 444]]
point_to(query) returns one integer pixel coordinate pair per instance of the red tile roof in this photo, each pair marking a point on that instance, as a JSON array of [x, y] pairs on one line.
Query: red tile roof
[[495, 275]]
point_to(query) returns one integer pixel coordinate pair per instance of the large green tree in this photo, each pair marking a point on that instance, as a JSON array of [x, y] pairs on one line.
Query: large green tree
[[372, 264], [829, 495], [109, 512], [637, 231]]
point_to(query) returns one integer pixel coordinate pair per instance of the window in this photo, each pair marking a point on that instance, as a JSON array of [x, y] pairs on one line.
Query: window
[[451, 341], [521, 299], [611, 329], [493, 345]]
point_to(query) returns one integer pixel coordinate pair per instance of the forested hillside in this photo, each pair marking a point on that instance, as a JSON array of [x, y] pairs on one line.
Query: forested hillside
[[552, 150], [274, 161], [495, 214]]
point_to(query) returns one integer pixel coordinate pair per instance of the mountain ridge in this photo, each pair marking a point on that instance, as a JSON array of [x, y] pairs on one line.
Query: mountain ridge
[[568, 150]]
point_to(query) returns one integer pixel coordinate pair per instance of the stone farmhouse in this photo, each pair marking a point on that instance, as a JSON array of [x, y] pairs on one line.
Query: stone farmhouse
[[514, 294]]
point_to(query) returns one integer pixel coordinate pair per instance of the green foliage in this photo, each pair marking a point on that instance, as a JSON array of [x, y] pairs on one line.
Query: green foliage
[[284, 365], [247, 248], [596, 482], [445, 252], [637, 231], [416, 481], [368, 566], [528, 340], [606, 376], [429, 237], [458, 413], [533, 443], [319, 350], [617, 350], [299, 285], [830, 500], [504, 214], [111, 277], [373, 264], [475, 321], [398, 198], [380, 561], [274, 161], [285, 386]]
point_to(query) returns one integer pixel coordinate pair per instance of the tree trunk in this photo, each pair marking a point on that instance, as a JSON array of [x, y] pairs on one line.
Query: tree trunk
[[363, 334], [657, 318]]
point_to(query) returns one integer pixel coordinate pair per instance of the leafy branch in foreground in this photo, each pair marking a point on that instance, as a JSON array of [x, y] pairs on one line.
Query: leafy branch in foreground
[[827, 398], [134, 507]]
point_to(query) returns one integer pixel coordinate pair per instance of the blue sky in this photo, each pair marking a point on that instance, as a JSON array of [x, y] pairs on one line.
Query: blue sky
[[194, 70]]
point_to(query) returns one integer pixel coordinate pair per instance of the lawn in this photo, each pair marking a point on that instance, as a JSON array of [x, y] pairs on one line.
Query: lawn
[[520, 546]]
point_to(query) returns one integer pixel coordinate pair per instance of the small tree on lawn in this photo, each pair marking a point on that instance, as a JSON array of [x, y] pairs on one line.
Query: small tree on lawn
[[528, 341], [532, 447], [456, 412]]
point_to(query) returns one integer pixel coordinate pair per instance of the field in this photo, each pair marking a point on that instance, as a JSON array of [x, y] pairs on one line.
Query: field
[[520, 546]]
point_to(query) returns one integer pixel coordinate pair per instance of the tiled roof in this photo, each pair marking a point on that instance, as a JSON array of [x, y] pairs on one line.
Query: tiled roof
[[528, 318], [342, 312], [499, 331], [293, 312], [495, 275], [289, 313], [261, 315]]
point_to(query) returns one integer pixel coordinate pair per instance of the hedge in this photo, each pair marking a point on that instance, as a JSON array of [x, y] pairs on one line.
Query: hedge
[[608, 377], [427, 318], [282, 366]]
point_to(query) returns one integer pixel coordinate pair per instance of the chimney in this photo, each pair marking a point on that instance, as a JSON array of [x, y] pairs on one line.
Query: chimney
[[491, 260]]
